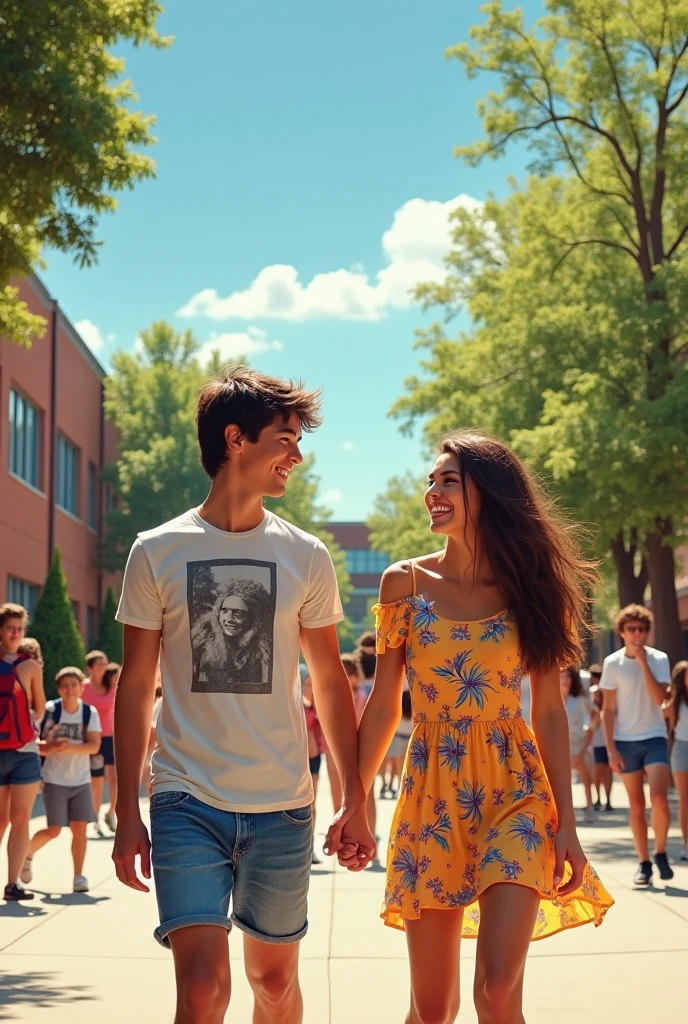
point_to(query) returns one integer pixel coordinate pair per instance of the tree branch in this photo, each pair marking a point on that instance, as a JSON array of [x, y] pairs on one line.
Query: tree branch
[[590, 241], [681, 235]]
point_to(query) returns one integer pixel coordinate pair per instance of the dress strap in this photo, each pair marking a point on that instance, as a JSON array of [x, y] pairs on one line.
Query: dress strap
[[413, 574]]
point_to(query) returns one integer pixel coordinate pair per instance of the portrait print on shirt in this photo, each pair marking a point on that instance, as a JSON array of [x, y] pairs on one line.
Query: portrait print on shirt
[[232, 617]]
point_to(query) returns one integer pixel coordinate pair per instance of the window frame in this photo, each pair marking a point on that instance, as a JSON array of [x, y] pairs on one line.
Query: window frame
[[25, 465], [68, 475]]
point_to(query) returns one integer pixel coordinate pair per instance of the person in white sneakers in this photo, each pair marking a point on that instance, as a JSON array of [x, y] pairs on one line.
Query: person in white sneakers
[[70, 733], [635, 681]]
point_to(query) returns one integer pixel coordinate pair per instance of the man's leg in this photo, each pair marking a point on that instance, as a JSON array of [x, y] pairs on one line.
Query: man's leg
[[273, 974], [78, 845], [201, 967], [4, 810], [21, 804], [633, 781], [658, 778]]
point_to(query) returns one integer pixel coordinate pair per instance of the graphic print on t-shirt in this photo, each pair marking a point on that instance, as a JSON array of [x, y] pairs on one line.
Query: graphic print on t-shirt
[[232, 616]]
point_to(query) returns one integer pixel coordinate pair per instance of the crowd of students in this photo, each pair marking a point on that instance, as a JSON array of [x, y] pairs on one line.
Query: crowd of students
[[62, 748]]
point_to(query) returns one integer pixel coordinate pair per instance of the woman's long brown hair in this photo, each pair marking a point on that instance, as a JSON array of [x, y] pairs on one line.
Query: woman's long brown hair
[[532, 550], [679, 685]]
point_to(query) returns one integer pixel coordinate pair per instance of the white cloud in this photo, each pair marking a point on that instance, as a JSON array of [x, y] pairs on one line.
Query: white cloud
[[239, 343], [348, 446], [332, 497], [414, 248], [90, 333]]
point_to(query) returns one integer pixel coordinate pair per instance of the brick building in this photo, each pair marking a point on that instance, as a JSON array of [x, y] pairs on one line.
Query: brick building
[[54, 442]]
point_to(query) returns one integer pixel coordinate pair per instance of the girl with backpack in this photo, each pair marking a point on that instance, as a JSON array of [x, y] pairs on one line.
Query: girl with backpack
[[22, 701]]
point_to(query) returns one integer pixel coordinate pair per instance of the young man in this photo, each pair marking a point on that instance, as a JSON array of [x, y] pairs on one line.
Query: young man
[[634, 681], [233, 591], [69, 736], [22, 702]]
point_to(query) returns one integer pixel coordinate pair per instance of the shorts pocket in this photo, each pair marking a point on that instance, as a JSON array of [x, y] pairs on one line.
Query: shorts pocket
[[298, 815], [174, 798]]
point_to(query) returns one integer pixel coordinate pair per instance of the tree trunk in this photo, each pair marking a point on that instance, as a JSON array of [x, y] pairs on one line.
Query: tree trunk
[[660, 563], [631, 588]]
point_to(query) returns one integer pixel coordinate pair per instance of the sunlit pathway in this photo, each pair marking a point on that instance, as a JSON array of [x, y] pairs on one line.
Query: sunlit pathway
[[92, 957]]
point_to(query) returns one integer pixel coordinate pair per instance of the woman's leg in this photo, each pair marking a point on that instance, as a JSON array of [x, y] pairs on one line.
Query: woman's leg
[[607, 779], [4, 810], [507, 918], [681, 779], [97, 784], [580, 764], [21, 804], [41, 838], [78, 845], [111, 776], [433, 945]]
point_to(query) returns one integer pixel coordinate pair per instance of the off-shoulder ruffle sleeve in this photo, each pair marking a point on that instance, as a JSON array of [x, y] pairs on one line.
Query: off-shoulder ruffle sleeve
[[391, 624]]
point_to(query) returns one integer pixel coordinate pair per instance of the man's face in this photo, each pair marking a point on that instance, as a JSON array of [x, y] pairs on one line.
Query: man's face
[[268, 462], [634, 633], [12, 634], [234, 615]]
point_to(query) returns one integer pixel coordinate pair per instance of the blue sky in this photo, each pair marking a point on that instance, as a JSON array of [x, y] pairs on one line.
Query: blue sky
[[303, 149]]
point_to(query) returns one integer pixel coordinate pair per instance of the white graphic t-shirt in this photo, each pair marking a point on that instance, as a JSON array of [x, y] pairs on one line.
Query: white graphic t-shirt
[[68, 769], [231, 605], [638, 717]]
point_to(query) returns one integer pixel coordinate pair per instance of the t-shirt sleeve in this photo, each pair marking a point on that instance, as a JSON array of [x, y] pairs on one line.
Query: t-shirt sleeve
[[607, 680], [140, 603], [94, 721], [322, 606], [660, 669]]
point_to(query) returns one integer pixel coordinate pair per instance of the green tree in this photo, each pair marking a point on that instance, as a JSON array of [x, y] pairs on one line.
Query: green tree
[[54, 626], [599, 88], [109, 630], [69, 136], [151, 399], [399, 521]]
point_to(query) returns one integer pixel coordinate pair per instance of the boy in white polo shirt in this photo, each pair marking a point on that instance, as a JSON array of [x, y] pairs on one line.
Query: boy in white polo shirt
[[634, 682]]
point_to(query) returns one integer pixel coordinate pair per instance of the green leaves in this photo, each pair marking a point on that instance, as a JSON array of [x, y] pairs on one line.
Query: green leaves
[[69, 136]]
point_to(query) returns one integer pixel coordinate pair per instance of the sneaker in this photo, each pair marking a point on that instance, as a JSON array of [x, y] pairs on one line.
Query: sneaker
[[590, 818], [663, 866], [684, 853], [26, 874], [608, 808], [598, 805], [98, 831], [80, 883], [111, 821], [383, 791], [15, 892], [643, 875]]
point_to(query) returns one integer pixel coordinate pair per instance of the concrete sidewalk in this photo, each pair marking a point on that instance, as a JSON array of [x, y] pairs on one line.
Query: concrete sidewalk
[[92, 957]]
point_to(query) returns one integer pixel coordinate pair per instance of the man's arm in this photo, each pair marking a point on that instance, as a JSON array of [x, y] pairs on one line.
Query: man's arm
[[608, 719], [133, 707], [656, 691], [335, 704]]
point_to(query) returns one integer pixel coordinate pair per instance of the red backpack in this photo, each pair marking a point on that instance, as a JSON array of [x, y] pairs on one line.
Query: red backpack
[[16, 725]]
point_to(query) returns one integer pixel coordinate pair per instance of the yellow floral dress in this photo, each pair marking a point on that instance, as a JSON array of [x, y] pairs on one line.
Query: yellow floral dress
[[476, 807]]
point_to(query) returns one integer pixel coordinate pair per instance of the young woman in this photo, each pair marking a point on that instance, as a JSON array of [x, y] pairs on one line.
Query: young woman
[[484, 837], [603, 773], [582, 727], [99, 692], [678, 723], [399, 745]]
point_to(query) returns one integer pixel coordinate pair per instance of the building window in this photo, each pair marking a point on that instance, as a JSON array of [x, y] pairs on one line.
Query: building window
[[92, 496], [67, 475], [23, 593], [91, 626], [25, 424], [362, 560]]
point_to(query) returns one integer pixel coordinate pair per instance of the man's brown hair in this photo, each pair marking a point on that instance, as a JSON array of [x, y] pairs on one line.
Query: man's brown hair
[[13, 611], [251, 401], [367, 639], [633, 613], [351, 665], [69, 670]]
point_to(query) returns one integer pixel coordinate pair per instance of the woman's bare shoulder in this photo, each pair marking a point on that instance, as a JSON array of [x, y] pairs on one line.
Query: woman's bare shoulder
[[396, 582]]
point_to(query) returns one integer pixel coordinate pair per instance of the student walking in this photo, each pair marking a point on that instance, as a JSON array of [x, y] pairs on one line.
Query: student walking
[[236, 591], [603, 776], [99, 692], [484, 837], [579, 715], [22, 702], [70, 735], [678, 722], [635, 683]]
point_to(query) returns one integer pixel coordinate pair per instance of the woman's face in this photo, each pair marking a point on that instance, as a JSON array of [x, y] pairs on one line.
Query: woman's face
[[565, 683], [444, 497], [234, 615]]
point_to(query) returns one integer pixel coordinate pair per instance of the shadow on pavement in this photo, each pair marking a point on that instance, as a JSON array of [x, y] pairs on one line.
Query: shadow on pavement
[[21, 910], [69, 899], [36, 990]]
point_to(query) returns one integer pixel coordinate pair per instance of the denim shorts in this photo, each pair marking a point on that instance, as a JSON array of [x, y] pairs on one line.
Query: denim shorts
[[638, 754], [106, 755], [19, 768], [202, 856], [601, 755]]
